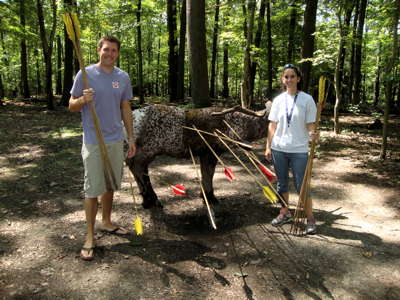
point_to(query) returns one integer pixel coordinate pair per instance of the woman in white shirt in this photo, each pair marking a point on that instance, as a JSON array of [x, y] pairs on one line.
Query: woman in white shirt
[[292, 123]]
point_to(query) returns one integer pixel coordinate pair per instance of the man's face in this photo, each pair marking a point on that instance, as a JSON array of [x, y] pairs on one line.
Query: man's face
[[108, 53]]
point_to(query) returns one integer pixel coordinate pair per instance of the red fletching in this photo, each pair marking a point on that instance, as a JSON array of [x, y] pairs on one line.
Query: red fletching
[[229, 174], [178, 189], [270, 175]]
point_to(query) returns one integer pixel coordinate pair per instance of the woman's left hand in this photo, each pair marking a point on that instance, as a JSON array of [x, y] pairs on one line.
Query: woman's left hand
[[314, 136]]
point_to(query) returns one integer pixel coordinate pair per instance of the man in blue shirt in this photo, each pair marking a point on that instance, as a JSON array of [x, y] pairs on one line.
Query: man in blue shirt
[[110, 91]]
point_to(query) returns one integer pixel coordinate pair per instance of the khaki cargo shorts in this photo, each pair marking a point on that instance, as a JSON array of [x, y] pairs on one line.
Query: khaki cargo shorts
[[95, 184]]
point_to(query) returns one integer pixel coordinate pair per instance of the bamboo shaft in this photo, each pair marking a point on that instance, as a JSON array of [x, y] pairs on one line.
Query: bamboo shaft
[[210, 214], [209, 146], [252, 157], [225, 137], [240, 161]]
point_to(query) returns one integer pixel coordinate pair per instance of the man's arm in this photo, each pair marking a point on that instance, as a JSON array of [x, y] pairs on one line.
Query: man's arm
[[127, 119]]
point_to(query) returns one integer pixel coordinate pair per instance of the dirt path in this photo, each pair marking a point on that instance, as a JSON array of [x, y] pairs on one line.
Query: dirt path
[[355, 255]]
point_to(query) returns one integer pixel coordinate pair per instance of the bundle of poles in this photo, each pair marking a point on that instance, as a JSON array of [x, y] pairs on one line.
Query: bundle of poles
[[304, 205]]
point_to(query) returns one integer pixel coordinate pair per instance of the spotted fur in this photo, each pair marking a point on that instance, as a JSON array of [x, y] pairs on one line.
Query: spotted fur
[[159, 130]]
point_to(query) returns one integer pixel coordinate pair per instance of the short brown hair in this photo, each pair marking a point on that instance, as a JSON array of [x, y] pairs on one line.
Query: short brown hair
[[110, 39]]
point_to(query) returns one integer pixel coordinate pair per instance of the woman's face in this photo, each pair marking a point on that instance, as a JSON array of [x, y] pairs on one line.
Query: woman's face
[[290, 79]]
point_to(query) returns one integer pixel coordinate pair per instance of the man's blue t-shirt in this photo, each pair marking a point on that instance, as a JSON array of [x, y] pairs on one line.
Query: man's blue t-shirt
[[110, 90]]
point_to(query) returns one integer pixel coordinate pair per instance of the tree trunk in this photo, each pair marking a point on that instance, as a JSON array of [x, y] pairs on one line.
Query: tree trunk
[[158, 68], [245, 27], [344, 31], [358, 53], [68, 64], [59, 59], [139, 52], [246, 97], [47, 48], [172, 54], [292, 29], [225, 78], [181, 57], [214, 50], [257, 44], [38, 80], [388, 78], [24, 61], [198, 52], [377, 83], [149, 50], [307, 50], [4, 62], [397, 103], [1, 90], [68, 69], [268, 93], [225, 72], [353, 50]]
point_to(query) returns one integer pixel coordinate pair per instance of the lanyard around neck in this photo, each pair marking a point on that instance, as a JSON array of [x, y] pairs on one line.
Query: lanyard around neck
[[289, 115]]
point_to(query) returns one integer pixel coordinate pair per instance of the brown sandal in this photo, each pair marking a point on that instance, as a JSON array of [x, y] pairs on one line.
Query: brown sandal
[[90, 251]]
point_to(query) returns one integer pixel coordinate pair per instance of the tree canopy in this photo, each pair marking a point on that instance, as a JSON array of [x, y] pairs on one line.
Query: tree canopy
[[248, 36]]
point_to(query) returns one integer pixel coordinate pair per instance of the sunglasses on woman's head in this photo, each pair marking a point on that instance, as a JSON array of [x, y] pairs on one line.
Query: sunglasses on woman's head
[[289, 66]]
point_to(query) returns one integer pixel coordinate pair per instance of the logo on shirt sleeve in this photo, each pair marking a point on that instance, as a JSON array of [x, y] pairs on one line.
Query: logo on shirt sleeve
[[115, 85]]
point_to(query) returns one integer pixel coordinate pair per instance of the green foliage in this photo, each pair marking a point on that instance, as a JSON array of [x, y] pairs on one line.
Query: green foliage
[[355, 109], [119, 18]]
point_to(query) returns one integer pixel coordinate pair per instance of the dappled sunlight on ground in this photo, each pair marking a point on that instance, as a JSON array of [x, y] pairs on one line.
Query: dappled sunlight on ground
[[355, 254]]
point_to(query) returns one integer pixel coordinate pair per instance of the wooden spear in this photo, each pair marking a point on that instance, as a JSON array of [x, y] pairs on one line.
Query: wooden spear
[[73, 29], [228, 171], [209, 210]]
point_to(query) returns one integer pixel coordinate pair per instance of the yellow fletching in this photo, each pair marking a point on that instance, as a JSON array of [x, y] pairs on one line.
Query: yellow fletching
[[321, 90], [138, 226], [72, 25], [270, 195], [77, 25], [68, 26]]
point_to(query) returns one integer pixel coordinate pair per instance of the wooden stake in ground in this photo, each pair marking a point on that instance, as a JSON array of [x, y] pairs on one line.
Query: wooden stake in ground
[[73, 29], [304, 205]]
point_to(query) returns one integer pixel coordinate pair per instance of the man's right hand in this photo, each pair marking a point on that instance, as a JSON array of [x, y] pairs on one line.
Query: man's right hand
[[88, 95]]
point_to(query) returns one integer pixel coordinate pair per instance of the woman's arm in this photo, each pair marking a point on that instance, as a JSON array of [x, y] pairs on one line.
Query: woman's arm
[[271, 132]]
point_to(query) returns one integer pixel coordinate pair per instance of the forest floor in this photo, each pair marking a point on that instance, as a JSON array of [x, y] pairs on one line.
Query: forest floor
[[355, 255]]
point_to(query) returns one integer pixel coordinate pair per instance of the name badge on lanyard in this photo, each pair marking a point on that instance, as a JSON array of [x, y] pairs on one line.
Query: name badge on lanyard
[[289, 115]]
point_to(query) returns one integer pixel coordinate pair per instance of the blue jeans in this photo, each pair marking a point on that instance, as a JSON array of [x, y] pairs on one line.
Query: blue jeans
[[282, 162]]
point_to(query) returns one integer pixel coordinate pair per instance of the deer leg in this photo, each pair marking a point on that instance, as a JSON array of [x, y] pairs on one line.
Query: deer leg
[[207, 166], [140, 169]]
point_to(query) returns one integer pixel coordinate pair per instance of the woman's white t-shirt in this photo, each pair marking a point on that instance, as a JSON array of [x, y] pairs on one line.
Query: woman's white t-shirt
[[293, 138]]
